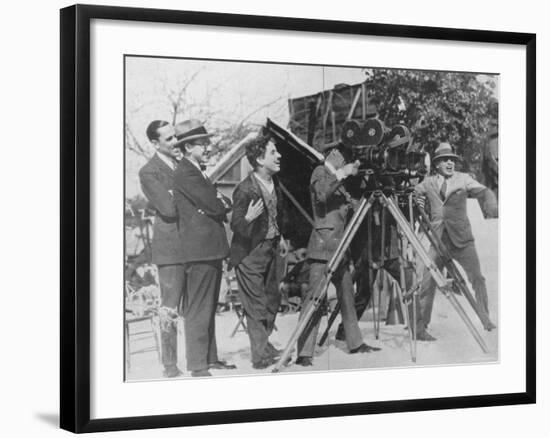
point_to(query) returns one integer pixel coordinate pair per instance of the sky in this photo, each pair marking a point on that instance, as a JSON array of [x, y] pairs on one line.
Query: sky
[[219, 93], [229, 90]]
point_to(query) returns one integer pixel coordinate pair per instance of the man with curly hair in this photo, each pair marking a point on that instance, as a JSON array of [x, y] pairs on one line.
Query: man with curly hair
[[258, 246]]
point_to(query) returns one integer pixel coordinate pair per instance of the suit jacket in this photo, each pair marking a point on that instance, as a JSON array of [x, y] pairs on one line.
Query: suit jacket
[[331, 206], [156, 179], [450, 214], [201, 215], [247, 236]]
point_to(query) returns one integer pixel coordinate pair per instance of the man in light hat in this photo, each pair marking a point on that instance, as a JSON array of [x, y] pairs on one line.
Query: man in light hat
[[202, 212], [447, 192], [331, 205]]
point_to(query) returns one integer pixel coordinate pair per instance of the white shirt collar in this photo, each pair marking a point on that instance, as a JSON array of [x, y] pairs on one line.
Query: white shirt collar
[[268, 185], [169, 162]]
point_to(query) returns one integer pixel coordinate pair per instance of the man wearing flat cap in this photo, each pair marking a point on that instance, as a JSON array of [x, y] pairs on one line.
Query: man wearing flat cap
[[447, 192], [331, 205], [157, 183], [202, 212]]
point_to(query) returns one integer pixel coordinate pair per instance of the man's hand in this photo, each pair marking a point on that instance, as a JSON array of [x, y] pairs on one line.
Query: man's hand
[[421, 201], [178, 154], [225, 201], [283, 247], [351, 168], [254, 210]]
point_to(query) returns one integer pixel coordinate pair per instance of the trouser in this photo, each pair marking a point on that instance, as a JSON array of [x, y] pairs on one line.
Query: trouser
[[469, 260], [171, 279], [344, 291], [258, 276], [364, 283], [202, 290]]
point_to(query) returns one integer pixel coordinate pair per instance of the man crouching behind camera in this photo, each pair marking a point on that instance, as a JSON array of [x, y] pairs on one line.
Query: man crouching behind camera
[[331, 206]]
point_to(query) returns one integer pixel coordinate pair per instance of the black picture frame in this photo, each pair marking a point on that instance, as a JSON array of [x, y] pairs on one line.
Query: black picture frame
[[75, 216]]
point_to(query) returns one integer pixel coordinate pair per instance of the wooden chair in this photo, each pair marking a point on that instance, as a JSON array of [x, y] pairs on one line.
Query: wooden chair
[[133, 317]]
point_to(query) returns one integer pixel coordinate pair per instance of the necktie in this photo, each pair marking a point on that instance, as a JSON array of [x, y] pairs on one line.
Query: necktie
[[443, 190]]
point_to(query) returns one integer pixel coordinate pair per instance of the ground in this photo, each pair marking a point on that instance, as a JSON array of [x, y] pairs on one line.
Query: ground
[[454, 343]]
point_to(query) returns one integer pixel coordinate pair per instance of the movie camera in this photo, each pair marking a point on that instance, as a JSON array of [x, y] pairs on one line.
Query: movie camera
[[383, 151]]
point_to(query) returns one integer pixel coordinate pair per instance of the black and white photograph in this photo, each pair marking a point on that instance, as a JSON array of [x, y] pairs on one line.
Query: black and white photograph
[[275, 219], [297, 218]]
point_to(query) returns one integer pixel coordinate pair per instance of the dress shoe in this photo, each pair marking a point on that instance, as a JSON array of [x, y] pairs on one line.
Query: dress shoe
[[221, 365], [364, 348], [489, 325], [272, 351], [425, 336], [304, 361], [264, 363], [171, 372], [201, 373]]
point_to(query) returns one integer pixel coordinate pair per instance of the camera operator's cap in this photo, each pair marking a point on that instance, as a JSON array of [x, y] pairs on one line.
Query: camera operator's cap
[[190, 130], [444, 150], [325, 148]]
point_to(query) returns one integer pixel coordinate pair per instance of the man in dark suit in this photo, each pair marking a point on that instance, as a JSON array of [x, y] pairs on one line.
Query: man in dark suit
[[331, 207], [202, 212], [157, 183], [447, 192], [257, 247]]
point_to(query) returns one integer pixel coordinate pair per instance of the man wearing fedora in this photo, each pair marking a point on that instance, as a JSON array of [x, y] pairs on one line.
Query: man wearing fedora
[[157, 184], [202, 212], [447, 192], [331, 205], [258, 245]]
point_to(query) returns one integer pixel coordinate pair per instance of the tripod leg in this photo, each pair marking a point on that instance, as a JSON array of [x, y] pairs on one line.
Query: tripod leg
[[333, 316], [321, 291], [459, 282], [405, 310], [382, 292], [434, 272]]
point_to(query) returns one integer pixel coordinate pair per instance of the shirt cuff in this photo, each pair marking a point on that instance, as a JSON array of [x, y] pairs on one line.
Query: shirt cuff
[[340, 175]]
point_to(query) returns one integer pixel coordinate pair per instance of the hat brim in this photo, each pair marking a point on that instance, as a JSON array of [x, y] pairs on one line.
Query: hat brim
[[191, 138], [439, 157]]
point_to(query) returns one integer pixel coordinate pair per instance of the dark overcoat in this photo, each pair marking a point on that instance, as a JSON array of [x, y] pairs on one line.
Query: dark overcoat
[[157, 183], [201, 215]]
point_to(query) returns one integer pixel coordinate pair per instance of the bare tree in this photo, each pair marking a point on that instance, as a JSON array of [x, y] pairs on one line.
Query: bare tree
[[133, 144]]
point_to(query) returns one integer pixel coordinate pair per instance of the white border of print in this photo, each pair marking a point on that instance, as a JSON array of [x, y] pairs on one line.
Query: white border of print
[[111, 397]]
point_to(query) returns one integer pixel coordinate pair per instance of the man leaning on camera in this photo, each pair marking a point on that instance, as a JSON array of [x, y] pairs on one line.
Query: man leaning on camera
[[447, 192], [331, 205]]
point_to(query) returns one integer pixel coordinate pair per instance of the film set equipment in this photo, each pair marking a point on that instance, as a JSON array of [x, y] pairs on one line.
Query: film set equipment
[[390, 165], [383, 151], [385, 254], [390, 202]]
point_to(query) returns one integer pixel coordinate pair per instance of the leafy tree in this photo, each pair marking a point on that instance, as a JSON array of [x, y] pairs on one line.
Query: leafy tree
[[438, 106]]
